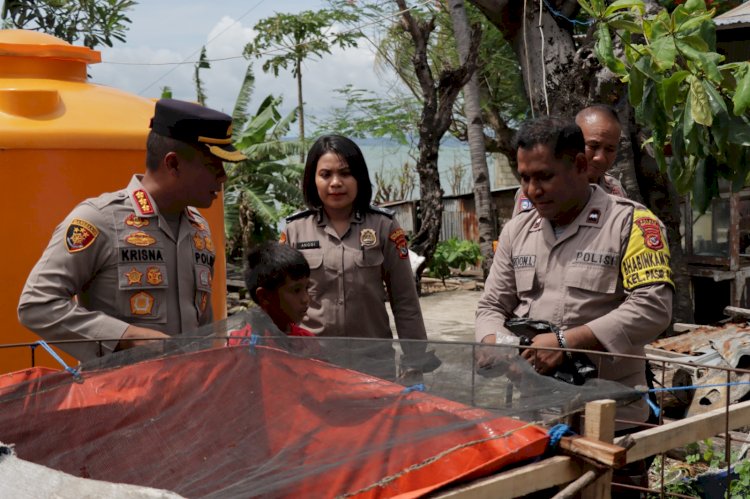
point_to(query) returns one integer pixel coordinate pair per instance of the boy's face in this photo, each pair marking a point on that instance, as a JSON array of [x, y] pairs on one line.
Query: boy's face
[[289, 303]]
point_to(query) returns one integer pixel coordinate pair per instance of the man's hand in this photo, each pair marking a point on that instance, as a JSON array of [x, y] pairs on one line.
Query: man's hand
[[143, 334], [544, 361], [486, 356]]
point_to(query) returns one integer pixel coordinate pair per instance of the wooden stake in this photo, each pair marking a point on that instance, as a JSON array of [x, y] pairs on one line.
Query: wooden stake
[[600, 425]]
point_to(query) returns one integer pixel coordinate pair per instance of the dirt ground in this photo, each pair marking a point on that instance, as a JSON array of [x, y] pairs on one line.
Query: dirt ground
[[448, 315]]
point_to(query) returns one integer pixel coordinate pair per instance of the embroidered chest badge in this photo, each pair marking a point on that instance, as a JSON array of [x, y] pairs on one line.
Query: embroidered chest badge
[[198, 242], [140, 238], [154, 276], [143, 202], [537, 224], [367, 237], [209, 244], [134, 277], [141, 303], [399, 239], [80, 235], [197, 225], [651, 232], [134, 220]]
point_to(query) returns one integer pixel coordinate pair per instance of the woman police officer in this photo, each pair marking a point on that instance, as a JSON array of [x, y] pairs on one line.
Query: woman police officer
[[353, 249]]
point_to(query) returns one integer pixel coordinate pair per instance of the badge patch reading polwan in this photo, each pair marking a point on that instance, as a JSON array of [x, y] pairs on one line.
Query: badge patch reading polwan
[[647, 258], [80, 235]]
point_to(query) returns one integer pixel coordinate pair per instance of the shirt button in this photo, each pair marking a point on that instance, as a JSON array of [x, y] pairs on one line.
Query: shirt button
[[341, 301], [340, 272]]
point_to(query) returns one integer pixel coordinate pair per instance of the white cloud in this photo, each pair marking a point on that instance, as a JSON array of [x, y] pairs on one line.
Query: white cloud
[[225, 39]]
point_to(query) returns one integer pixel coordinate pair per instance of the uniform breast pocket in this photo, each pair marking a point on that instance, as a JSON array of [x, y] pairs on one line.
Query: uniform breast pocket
[[370, 258], [592, 279], [143, 292], [524, 280]]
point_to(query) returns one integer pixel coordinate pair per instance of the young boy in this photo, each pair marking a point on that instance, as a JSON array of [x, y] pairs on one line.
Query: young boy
[[277, 278]]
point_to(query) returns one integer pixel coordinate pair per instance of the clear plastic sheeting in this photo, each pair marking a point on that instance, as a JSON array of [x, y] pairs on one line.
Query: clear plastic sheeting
[[278, 416]]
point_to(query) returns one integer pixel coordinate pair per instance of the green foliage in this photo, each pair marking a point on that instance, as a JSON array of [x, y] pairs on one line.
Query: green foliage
[[453, 254], [364, 114], [285, 39], [96, 21], [166, 92], [201, 64], [694, 105], [265, 188]]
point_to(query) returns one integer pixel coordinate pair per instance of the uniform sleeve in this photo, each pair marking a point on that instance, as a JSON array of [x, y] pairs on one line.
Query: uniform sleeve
[[499, 298], [402, 289], [647, 279], [77, 250]]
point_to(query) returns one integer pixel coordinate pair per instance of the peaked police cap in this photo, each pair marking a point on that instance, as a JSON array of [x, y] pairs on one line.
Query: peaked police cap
[[194, 123]]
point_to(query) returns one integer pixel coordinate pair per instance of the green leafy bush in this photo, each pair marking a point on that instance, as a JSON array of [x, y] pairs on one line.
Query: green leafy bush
[[453, 254]]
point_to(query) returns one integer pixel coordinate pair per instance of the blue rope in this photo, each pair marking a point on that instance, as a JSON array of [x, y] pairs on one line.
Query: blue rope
[[74, 372], [556, 433], [657, 410], [419, 387], [251, 342], [559, 14]]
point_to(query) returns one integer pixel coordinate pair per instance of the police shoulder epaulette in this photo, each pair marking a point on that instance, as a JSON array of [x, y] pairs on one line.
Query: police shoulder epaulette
[[299, 214], [383, 211]]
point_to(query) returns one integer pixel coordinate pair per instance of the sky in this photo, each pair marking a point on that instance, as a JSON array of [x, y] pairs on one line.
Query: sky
[[164, 31]]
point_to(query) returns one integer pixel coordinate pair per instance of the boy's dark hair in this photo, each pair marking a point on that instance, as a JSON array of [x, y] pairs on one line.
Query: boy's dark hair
[[561, 135], [269, 264], [349, 152]]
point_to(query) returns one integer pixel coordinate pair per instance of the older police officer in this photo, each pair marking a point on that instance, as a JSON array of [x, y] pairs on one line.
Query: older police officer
[[137, 263]]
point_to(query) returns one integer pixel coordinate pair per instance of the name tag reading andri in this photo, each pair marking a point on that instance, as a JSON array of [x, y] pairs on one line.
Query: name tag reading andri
[[303, 245]]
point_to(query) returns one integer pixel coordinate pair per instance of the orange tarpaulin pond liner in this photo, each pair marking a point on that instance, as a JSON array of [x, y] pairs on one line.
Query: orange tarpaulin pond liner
[[244, 422]]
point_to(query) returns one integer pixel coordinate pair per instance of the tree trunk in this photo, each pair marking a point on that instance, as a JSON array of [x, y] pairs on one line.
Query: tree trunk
[[300, 112], [438, 96], [475, 132], [561, 78]]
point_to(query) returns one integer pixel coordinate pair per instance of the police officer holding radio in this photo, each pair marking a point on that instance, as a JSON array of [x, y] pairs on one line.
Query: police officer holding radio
[[137, 263], [594, 265]]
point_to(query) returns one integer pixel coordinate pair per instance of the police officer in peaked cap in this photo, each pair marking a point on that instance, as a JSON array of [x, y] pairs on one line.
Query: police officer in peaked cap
[[139, 261]]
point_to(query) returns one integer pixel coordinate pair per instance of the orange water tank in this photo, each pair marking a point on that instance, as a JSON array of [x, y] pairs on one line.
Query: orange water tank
[[62, 139]]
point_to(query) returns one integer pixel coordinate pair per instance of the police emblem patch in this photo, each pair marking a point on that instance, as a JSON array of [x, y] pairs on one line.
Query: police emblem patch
[[80, 235], [651, 232], [526, 203], [399, 239], [134, 277], [134, 220], [205, 278], [209, 244], [367, 237], [140, 238], [141, 303], [154, 276], [143, 202], [198, 242], [537, 224], [197, 225]]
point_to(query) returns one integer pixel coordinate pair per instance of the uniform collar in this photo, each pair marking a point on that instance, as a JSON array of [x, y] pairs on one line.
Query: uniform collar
[[321, 218]]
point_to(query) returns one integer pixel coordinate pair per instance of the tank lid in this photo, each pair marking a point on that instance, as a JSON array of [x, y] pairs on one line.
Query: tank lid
[[20, 42]]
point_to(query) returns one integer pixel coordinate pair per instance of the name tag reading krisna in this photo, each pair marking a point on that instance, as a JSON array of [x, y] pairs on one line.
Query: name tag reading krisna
[[307, 245]]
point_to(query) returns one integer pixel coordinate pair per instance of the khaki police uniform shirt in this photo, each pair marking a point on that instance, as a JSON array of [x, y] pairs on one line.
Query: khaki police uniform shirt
[[118, 256], [607, 182], [347, 275], [609, 270]]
